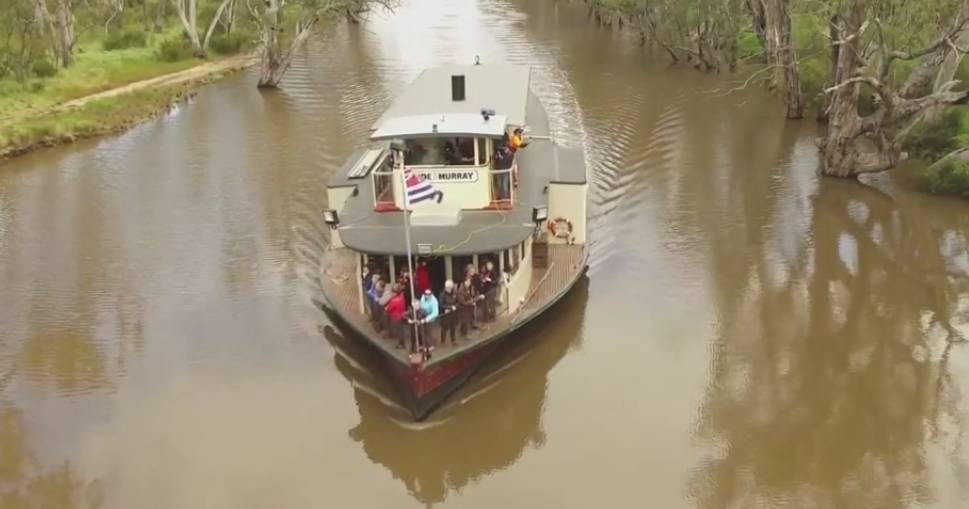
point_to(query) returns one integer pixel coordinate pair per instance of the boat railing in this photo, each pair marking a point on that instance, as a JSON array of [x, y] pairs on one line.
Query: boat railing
[[502, 186]]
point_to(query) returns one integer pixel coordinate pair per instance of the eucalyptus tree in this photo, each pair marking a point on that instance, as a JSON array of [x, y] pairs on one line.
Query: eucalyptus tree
[[58, 27], [188, 14], [702, 32], [277, 45], [21, 42], [771, 21], [870, 38]]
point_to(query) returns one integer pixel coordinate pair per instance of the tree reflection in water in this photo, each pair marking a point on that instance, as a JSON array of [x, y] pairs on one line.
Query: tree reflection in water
[[23, 484], [830, 379], [483, 428]]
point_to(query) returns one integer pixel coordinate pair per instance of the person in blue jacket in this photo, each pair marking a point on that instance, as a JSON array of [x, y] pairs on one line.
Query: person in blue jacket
[[431, 311]]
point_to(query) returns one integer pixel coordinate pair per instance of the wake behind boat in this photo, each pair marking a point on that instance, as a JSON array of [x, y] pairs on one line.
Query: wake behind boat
[[464, 206]]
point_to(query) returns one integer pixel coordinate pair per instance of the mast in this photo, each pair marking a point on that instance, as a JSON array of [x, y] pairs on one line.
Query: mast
[[410, 257]]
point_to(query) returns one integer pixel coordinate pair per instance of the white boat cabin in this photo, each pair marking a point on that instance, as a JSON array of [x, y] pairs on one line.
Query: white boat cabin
[[444, 164], [440, 153]]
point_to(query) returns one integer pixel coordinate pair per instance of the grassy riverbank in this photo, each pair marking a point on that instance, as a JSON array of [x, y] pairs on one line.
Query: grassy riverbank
[[78, 102], [97, 117]]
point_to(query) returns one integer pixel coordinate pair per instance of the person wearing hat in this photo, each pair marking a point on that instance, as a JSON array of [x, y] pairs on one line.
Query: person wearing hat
[[473, 281], [489, 290], [516, 143], [431, 311], [467, 300], [449, 317], [517, 140]]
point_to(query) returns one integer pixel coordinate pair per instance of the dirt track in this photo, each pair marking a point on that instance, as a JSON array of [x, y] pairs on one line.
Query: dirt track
[[195, 73]]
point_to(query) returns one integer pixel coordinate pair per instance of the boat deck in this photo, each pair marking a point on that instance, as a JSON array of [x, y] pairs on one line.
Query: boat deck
[[565, 265]]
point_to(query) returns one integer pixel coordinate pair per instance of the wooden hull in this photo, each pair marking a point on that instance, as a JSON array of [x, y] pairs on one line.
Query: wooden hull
[[425, 389]]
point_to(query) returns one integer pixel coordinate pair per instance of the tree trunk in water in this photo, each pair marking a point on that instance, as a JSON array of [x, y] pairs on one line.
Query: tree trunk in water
[[844, 123], [274, 62], [65, 32], [271, 60], [783, 57], [271, 68]]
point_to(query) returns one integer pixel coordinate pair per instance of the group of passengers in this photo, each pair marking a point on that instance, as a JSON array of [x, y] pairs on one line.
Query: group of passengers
[[403, 309]]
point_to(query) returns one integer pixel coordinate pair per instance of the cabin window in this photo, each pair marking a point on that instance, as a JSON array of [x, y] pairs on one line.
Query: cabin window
[[383, 178], [482, 153], [456, 151], [511, 260]]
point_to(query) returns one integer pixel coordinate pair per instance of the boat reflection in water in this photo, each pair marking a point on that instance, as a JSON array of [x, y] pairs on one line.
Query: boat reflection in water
[[501, 406]]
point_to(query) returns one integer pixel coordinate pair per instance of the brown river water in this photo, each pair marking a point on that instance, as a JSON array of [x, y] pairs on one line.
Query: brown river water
[[749, 334]]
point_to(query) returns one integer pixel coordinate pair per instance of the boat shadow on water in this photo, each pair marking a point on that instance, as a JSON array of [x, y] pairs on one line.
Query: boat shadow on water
[[501, 405]]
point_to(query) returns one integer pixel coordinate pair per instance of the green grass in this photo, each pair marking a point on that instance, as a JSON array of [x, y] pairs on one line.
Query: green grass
[[102, 116], [749, 46], [933, 142], [948, 177], [95, 70], [29, 112]]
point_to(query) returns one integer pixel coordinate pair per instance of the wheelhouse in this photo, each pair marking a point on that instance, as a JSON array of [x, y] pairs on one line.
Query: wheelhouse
[[444, 163]]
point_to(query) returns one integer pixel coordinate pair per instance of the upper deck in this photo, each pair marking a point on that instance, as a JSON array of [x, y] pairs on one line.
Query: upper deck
[[471, 206]]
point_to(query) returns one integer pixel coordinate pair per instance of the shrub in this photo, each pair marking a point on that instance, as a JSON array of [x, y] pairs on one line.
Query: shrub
[[936, 140], [124, 39], [228, 44], [43, 69], [174, 49], [748, 45], [10, 87], [946, 177]]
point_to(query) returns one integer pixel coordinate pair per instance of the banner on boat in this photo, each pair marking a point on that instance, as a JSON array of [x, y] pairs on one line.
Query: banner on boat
[[448, 176], [443, 188]]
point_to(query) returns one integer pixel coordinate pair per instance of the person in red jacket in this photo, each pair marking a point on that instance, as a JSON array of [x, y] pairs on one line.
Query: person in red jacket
[[423, 277], [396, 309]]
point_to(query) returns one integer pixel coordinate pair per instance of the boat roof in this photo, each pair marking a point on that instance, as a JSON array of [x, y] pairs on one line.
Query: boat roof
[[451, 124], [502, 88]]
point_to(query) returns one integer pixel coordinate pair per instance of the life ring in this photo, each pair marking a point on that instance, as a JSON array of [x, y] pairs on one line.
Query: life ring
[[560, 227]]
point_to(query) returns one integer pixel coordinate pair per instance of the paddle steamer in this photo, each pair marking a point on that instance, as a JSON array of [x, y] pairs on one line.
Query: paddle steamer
[[438, 184]]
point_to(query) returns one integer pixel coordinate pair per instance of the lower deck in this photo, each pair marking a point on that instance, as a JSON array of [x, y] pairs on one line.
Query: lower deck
[[548, 280]]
